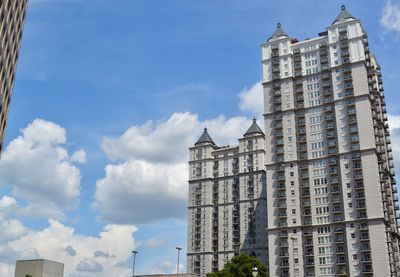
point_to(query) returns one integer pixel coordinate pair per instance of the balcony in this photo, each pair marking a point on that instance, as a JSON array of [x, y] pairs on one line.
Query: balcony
[[345, 53], [324, 60], [336, 200], [330, 126], [278, 125], [281, 195], [282, 215], [344, 46], [353, 130], [306, 203], [328, 100], [360, 195], [349, 86]]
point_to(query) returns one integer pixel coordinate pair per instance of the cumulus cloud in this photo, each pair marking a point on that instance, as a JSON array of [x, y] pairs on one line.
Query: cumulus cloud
[[89, 266], [45, 176], [10, 229], [391, 16], [394, 122], [130, 188], [251, 100], [60, 243], [79, 156], [152, 171], [168, 141]]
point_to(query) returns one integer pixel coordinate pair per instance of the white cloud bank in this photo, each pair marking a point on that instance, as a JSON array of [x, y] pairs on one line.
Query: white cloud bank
[[60, 243], [391, 16], [39, 170], [152, 171]]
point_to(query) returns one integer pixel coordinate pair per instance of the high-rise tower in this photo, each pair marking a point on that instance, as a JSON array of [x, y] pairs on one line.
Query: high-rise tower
[[332, 204], [12, 16], [227, 202]]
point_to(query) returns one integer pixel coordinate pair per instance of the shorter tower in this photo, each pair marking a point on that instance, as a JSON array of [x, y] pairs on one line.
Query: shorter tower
[[227, 201]]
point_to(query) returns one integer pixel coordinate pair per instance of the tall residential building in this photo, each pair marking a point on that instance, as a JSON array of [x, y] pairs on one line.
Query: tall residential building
[[227, 202], [12, 16], [331, 192]]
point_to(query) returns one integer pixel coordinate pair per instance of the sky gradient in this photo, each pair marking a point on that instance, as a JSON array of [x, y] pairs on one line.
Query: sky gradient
[[109, 95]]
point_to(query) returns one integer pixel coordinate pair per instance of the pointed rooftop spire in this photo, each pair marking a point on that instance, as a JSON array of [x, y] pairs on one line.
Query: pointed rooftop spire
[[279, 32], [344, 14], [254, 129], [205, 138]]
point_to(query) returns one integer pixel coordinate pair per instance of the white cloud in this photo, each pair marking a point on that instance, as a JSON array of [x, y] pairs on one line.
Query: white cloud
[[79, 156], [89, 265], [394, 121], [6, 269], [37, 167], [391, 16], [251, 100], [153, 173], [155, 143], [53, 242], [10, 229], [139, 191], [168, 141], [394, 126]]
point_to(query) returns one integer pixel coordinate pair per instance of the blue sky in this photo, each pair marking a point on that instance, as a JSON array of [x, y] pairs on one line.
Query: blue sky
[[109, 95]]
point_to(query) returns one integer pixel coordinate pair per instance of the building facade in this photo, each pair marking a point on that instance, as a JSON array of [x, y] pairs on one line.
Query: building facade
[[12, 17], [227, 202], [38, 268], [332, 204]]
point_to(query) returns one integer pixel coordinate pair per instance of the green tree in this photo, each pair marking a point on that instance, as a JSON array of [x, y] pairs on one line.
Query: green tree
[[241, 266]]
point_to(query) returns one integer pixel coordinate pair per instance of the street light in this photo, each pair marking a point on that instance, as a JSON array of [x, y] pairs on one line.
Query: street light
[[255, 271], [134, 259], [177, 266]]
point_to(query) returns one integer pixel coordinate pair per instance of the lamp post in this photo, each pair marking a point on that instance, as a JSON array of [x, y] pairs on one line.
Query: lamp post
[[177, 266], [134, 260], [254, 271]]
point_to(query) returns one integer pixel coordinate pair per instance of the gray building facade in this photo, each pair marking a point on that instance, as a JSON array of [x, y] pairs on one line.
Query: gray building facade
[[227, 202], [39, 268]]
